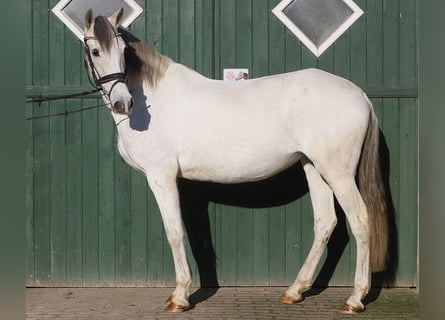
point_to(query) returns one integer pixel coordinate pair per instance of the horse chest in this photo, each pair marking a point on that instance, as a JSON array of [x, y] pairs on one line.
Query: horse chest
[[129, 154]]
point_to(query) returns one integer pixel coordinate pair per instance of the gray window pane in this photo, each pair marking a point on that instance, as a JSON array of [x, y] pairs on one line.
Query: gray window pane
[[318, 19]]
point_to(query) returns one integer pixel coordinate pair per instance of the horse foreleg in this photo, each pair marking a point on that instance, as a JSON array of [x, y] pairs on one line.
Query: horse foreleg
[[167, 197], [324, 223]]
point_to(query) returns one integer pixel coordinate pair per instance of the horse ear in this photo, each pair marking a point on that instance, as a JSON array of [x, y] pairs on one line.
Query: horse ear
[[89, 19], [116, 18]]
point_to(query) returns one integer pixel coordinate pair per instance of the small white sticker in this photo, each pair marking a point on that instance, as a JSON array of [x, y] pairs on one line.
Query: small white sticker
[[236, 74]]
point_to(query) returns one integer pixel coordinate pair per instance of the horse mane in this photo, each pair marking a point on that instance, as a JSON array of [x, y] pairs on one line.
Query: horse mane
[[143, 62]]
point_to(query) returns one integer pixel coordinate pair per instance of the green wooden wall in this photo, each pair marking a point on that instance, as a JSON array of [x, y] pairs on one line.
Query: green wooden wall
[[92, 220]]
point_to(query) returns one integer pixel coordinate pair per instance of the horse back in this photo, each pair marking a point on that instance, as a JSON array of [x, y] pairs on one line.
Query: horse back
[[254, 128]]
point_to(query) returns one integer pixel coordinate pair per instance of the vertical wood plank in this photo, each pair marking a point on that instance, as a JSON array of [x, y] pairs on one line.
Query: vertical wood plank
[[217, 240], [74, 263], [75, 73], [29, 192], [244, 252], [277, 248], [293, 240], [391, 54], [205, 37], [408, 191], [293, 52], [156, 242], [276, 53], [260, 38], [358, 48], [187, 34], [342, 57], [58, 194], [374, 43], [40, 27], [90, 194], [29, 35], [139, 203], [42, 176], [106, 221], [227, 33], [244, 33], [56, 51], [29, 197], [408, 43], [170, 28], [228, 245], [261, 251], [217, 44], [57, 154], [203, 21], [154, 24], [42, 198], [122, 203]]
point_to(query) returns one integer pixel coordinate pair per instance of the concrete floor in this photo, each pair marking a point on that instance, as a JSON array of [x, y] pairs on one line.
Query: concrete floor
[[224, 303]]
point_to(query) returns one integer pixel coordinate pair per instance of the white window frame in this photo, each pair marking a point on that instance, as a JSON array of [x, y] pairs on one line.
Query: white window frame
[[317, 51], [78, 31]]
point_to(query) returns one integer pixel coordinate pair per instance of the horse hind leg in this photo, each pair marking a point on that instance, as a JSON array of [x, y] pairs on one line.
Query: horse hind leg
[[325, 221], [349, 198]]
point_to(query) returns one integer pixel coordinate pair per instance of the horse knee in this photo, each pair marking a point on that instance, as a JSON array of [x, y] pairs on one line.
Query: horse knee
[[175, 238]]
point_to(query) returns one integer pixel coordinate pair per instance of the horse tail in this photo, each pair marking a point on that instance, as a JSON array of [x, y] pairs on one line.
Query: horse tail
[[372, 190]]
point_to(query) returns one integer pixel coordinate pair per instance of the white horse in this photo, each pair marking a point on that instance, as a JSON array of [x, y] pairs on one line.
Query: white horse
[[173, 122]]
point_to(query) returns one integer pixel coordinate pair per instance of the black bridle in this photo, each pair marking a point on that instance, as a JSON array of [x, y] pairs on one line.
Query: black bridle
[[93, 76]]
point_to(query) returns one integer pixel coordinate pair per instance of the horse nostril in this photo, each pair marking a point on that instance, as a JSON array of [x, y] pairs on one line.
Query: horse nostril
[[119, 107]]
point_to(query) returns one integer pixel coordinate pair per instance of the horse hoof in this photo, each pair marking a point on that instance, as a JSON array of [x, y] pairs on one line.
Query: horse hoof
[[348, 309], [169, 300], [287, 299], [174, 308]]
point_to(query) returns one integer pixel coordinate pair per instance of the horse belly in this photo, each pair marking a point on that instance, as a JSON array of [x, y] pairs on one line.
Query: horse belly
[[234, 165]]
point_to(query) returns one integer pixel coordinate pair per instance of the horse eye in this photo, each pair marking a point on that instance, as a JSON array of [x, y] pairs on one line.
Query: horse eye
[[95, 52]]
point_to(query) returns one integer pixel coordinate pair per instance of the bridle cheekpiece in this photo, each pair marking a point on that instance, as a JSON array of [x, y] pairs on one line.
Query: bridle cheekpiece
[[93, 76]]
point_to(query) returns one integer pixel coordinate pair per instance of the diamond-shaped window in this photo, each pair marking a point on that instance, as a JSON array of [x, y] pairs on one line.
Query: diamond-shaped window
[[72, 12], [317, 23]]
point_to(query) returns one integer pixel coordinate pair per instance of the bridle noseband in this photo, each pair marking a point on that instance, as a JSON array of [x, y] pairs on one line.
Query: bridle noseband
[[93, 76]]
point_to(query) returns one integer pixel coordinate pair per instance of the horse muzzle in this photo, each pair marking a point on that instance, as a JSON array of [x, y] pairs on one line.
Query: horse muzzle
[[123, 107]]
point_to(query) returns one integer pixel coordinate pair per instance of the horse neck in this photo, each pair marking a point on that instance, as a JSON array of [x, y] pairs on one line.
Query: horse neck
[[146, 66]]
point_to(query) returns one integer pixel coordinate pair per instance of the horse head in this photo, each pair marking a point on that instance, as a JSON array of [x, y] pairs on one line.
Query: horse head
[[105, 60]]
